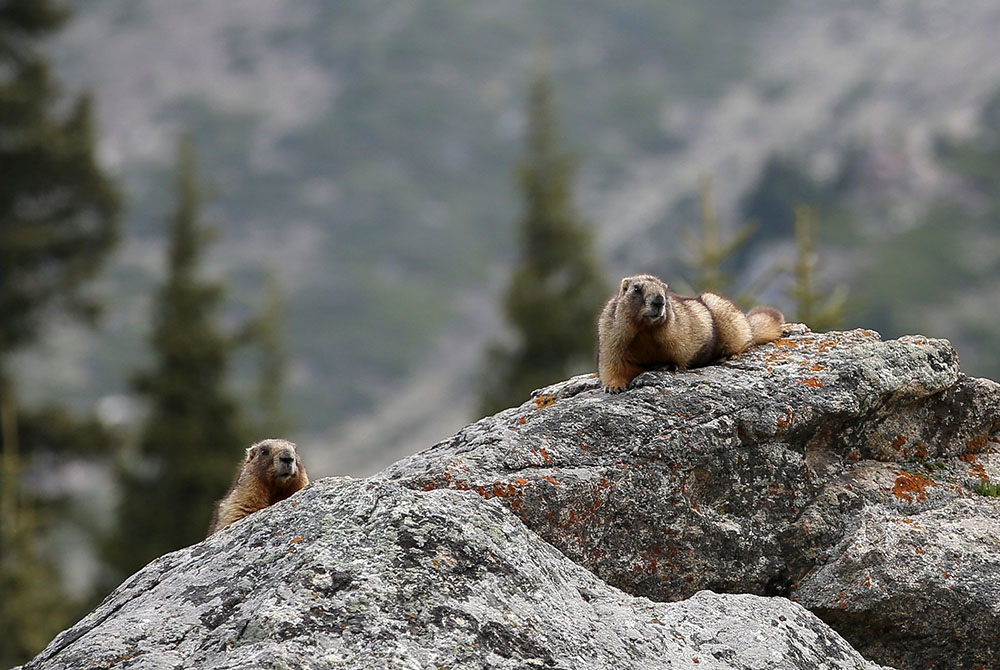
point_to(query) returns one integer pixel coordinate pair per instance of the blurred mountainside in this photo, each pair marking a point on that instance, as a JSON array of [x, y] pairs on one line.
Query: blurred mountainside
[[362, 153]]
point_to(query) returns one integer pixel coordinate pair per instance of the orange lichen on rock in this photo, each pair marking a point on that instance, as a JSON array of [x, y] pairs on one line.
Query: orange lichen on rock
[[979, 472], [544, 400], [812, 382], [977, 444], [546, 458], [511, 492], [911, 487]]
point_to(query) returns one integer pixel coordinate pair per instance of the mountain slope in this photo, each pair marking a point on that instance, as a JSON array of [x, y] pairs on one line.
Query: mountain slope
[[363, 154]]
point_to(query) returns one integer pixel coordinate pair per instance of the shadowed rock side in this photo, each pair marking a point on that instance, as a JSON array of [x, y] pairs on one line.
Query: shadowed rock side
[[808, 467], [368, 574]]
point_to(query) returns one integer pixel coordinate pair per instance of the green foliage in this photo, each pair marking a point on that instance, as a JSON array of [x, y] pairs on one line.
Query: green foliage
[[31, 609], [708, 255], [58, 223], [35, 606], [821, 310], [193, 433], [556, 290], [58, 210], [985, 487]]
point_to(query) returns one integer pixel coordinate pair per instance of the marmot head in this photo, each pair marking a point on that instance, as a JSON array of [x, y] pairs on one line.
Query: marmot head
[[644, 299], [274, 459]]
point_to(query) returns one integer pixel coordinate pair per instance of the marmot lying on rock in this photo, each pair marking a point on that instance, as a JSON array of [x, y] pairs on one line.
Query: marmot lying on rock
[[271, 472], [646, 326]]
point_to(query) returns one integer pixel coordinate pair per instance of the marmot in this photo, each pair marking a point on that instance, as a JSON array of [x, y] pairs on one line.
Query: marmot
[[646, 326], [271, 472]]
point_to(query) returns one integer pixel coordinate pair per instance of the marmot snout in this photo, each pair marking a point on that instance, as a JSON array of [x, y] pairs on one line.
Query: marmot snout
[[645, 326], [270, 472], [284, 463], [650, 301]]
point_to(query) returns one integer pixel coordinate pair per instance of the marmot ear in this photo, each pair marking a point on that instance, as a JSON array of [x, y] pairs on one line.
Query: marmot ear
[[250, 453], [624, 288]]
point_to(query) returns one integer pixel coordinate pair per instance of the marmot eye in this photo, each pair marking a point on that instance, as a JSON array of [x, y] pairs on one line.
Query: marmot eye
[[636, 289], [265, 451]]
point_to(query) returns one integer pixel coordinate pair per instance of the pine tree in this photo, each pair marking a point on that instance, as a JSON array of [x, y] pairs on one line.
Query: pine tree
[[58, 224], [556, 291], [707, 252], [33, 607], [58, 210], [193, 434], [813, 307]]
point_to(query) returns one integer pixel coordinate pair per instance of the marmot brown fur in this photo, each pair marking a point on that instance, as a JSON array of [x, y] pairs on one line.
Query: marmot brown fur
[[271, 472], [646, 326]]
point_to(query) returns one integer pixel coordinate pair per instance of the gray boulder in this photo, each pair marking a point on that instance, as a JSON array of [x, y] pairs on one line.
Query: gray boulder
[[688, 522], [921, 589], [368, 574], [758, 476]]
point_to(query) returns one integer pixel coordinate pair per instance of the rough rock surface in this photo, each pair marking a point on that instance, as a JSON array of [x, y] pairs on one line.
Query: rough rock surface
[[901, 581], [790, 470], [368, 574]]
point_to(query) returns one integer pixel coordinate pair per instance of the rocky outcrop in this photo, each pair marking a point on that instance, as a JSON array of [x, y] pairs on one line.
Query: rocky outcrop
[[690, 522], [368, 574], [805, 468]]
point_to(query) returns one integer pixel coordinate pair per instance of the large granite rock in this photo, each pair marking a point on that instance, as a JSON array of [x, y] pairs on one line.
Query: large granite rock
[[368, 574], [673, 525], [789, 471]]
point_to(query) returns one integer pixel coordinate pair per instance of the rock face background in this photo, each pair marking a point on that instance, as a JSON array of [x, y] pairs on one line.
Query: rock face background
[[835, 473]]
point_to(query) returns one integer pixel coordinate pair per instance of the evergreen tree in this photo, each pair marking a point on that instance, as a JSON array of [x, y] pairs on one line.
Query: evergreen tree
[[58, 224], [193, 435], [556, 290], [58, 210], [708, 255], [33, 607], [818, 309]]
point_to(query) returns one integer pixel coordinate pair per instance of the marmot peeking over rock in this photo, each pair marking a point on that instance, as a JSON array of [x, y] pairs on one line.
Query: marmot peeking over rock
[[646, 326], [271, 472]]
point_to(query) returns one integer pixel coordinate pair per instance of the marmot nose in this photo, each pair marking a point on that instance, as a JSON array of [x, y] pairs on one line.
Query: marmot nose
[[658, 301], [286, 459]]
